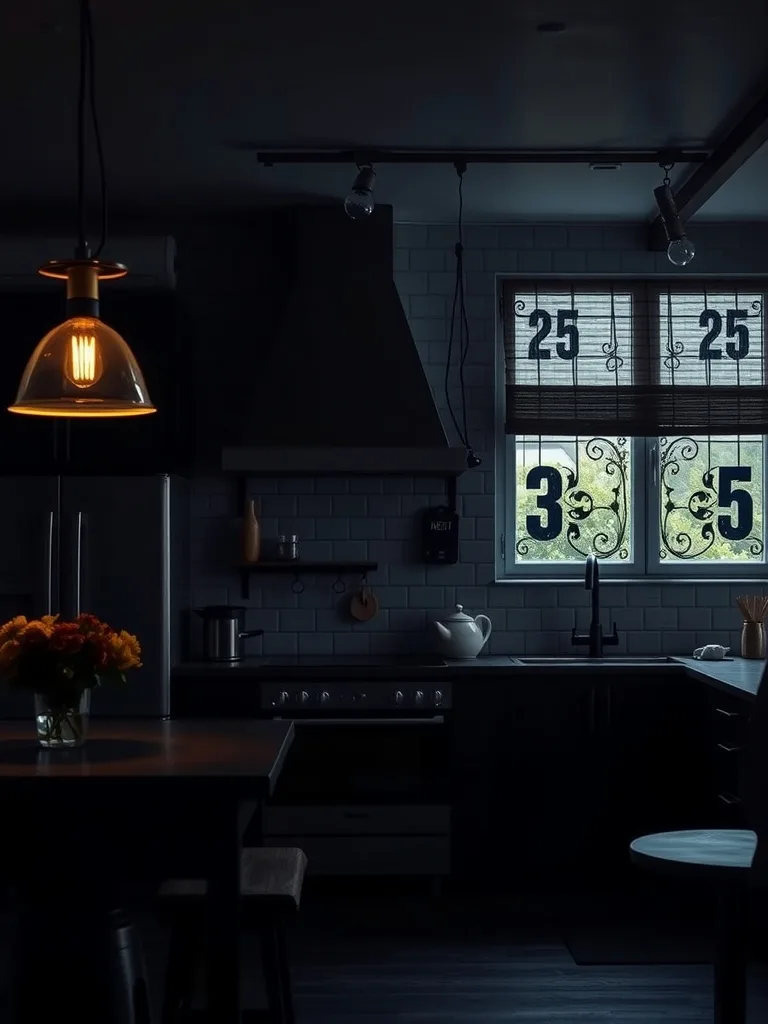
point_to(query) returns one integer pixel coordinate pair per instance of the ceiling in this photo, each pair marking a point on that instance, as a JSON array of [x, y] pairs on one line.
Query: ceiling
[[182, 88]]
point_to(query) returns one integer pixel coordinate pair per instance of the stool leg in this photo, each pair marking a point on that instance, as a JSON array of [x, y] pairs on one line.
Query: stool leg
[[731, 956], [181, 967], [284, 974], [277, 979]]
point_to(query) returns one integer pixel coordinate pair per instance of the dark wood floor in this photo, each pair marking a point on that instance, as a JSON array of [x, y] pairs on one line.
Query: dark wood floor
[[468, 960], [464, 961]]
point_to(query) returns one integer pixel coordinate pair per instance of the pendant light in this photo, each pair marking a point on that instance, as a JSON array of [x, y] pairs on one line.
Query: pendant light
[[83, 368]]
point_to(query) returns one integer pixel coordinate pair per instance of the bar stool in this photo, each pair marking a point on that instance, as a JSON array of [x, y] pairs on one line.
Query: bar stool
[[271, 883], [724, 857]]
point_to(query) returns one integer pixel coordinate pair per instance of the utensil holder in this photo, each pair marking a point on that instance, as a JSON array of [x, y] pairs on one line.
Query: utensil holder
[[752, 640]]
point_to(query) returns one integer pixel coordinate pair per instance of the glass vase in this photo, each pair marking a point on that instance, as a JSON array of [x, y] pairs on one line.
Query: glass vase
[[62, 725]]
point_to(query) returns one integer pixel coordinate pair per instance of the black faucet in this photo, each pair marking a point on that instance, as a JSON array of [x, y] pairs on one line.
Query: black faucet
[[594, 637]]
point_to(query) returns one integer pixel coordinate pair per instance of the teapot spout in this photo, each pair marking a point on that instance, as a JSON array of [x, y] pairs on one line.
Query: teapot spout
[[443, 631]]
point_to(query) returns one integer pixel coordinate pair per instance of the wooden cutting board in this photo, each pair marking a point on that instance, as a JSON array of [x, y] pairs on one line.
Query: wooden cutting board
[[363, 605]]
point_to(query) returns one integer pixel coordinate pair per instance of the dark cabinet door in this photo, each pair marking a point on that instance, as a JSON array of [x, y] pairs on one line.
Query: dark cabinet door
[[27, 443], [654, 763], [140, 444], [547, 771], [523, 774]]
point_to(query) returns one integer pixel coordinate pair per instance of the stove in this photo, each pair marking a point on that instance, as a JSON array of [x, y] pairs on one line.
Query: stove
[[366, 786], [321, 685], [360, 696]]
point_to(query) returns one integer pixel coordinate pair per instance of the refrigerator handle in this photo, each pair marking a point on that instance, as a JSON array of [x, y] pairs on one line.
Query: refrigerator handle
[[71, 570], [79, 544], [50, 539]]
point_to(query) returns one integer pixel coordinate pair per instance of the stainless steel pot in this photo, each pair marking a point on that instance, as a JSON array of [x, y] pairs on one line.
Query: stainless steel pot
[[223, 634]]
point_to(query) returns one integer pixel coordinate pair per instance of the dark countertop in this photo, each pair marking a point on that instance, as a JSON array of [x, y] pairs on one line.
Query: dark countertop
[[738, 676], [242, 754], [414, 668]]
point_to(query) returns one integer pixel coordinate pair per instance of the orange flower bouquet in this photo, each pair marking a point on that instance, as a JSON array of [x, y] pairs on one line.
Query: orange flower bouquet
[[60, 663]]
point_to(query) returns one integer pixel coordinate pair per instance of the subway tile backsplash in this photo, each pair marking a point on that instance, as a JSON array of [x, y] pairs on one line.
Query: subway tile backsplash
[[652, 618], [377, 519]]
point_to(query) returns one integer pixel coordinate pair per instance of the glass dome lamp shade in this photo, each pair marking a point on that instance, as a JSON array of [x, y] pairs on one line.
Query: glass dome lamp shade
[[82, 367]]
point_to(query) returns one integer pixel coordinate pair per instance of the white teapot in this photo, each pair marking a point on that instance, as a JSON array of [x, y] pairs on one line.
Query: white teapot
[[461, 636]]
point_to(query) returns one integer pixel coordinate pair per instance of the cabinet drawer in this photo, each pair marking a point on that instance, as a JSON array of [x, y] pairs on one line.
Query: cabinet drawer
[[730, 810], [728, 764], [729, 721]]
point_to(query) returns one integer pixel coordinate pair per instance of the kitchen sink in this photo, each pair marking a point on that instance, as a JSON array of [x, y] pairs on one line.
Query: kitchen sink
[[614, 660]]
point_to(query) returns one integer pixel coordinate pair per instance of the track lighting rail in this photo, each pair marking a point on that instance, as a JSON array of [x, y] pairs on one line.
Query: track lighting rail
[[475, 156]]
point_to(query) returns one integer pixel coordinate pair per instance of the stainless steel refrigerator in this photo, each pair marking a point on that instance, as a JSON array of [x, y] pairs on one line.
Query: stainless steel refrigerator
[[112, 546]]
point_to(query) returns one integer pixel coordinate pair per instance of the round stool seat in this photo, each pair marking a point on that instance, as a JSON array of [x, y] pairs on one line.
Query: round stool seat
[[707, 853]]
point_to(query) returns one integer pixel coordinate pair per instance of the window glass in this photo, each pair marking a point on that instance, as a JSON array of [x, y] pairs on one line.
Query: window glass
[[573, 498]]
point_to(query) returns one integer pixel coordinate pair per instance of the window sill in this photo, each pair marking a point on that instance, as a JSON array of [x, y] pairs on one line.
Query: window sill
[[636, 581]]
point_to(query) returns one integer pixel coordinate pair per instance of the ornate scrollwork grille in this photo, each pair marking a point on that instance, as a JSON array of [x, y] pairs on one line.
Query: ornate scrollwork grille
[[592, 523], [688, 516]]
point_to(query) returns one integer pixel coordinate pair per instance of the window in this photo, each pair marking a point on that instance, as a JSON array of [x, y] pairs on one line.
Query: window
[[636, 415]]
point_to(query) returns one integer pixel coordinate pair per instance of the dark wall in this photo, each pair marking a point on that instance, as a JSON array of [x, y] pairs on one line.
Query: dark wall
[[231, 283]]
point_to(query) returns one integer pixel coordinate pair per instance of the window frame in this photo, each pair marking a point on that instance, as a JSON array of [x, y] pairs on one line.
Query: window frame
[[658, 568], [555, 570], [645, 475]]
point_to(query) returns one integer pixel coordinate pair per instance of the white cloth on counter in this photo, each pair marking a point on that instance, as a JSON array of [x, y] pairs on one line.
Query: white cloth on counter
[[711, 652]]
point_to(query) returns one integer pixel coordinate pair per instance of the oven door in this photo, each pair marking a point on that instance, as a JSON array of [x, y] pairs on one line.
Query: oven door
[[354, 760]]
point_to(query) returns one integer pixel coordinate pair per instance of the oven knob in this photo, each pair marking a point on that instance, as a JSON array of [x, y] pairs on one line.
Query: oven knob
[[419, 696], [324, 697], [303, 697], [284, 697], [437, 697], [360, 698], [399, 697]]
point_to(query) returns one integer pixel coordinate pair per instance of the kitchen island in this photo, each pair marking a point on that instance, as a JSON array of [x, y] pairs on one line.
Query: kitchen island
[[135, 786]]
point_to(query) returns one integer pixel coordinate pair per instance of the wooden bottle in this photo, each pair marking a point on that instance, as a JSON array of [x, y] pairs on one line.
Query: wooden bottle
[[251, 533]]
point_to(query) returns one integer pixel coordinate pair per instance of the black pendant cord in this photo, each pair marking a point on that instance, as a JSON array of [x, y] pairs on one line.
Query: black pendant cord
[[97, 135], [86, 103], [81, 251], [459, 318]]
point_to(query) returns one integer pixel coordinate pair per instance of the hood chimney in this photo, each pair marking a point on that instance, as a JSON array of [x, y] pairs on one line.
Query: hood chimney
[[341, 388]]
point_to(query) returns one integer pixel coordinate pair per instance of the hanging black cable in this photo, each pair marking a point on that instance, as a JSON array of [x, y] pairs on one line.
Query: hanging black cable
[[81, 251], [96, 132], [86, 104], [459, 319]]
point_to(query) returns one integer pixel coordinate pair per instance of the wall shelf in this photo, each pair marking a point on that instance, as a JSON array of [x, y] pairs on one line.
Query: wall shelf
[[300, 567]]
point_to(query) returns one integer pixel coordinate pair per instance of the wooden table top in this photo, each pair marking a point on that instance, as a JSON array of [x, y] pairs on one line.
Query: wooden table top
[[245, 752]]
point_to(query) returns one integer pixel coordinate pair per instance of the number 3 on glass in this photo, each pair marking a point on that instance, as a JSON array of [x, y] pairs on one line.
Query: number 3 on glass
[[727, 496], [548, 502]]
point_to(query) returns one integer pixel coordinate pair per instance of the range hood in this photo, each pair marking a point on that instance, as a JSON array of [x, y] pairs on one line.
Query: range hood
[[341, 389]]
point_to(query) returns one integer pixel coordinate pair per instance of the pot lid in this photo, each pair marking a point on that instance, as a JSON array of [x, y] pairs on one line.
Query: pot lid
[[458, 615]]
